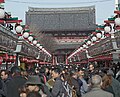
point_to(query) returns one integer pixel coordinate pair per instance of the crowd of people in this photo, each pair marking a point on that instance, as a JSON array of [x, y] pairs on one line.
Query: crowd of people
[[60, 81]]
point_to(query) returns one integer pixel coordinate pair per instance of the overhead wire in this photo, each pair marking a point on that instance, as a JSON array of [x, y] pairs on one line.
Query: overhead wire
[[87, 2]]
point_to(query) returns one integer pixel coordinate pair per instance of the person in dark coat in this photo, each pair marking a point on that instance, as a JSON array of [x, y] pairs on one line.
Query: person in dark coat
[[118, 76], [106, 84], [58, 89], [16, 82], [2, 89], [115, 84], [75, 83], [44, 86], [5, 76], [91, 70], [34, 84]]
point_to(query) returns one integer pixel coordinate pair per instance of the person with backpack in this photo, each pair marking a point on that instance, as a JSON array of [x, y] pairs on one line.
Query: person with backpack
[[70, 91], [84, 87], [74, 83], [67, 87], [44, 87]]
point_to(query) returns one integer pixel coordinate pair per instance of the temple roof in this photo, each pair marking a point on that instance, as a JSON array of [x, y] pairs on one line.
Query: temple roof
[[69, 9], [75, 20], [62, 19]]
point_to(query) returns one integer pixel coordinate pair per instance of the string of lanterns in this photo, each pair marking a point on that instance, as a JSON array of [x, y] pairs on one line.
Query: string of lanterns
[[108, 29], [22, 32], [29, 37]]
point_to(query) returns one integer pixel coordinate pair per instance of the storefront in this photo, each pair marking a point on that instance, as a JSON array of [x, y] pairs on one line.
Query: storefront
[[8, 43]]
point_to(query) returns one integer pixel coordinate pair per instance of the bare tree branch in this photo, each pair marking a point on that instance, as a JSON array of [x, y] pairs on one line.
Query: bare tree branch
[[46, 40]]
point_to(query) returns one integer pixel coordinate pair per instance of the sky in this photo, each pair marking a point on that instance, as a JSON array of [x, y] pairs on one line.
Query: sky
[[104, 8]]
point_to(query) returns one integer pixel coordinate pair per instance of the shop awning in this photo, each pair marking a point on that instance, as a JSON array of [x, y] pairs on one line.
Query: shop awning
[[99, 58]]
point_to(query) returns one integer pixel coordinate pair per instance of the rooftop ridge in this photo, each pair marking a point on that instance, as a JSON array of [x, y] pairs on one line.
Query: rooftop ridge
[[62, 9]]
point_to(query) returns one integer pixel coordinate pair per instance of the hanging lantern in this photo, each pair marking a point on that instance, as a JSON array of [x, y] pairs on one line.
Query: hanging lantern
[[25, 34], [18, 29], [34, 42], [2, 13], [37, 61], [23, 59], [30, 38], [38, 45], [88, 42], [14, 58], [5, 57], [81, 48], [10, 57], [117, 21], [43, 49], [94, 38], [99, 35], [84, 46], [107, 29], [1, 60]]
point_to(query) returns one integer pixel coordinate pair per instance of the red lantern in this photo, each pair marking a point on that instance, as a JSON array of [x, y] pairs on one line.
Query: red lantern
[[28, 61], [22, 59], [5, 57], [1, 60], [36, 61], [12, 58], [25, 60]]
